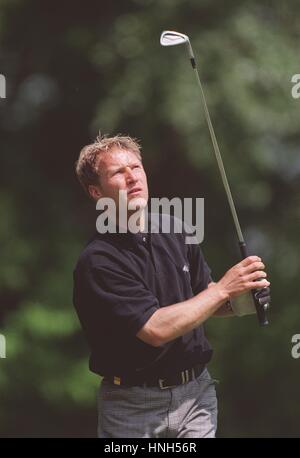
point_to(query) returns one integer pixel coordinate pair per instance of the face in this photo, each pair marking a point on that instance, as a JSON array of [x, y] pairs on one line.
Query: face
[[121, 170]]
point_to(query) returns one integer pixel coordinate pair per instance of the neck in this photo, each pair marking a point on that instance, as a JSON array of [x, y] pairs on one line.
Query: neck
[[138, 221]]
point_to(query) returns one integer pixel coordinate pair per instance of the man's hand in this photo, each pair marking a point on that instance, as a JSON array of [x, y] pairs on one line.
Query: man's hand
[[244, 276]]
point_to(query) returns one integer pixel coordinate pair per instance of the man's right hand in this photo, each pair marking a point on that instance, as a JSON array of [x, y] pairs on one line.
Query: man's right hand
[[243, 277]]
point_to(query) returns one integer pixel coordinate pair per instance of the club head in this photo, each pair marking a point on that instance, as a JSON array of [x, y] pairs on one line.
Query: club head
[[171, 38]]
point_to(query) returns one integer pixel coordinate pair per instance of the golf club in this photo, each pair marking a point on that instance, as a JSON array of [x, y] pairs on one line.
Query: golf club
[[171, 38]]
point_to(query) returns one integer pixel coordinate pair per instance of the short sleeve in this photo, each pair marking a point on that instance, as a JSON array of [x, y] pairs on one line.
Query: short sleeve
[[123, 300], [199, 270]]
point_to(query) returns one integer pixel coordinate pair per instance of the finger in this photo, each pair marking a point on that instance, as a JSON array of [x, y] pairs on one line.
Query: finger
[[258, 284], [256, 275], [249, 260], [256, 265]]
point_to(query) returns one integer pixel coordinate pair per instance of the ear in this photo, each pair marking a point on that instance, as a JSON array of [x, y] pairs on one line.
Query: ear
[[95, 192]]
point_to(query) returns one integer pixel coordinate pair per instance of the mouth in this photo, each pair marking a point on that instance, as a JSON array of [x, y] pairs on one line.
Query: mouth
[[134, 191]]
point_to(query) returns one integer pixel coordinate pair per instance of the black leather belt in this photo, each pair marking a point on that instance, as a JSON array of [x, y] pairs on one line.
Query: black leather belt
[[180, 378]]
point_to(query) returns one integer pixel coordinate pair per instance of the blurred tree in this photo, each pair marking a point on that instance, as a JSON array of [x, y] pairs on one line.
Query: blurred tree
[[72, 69]]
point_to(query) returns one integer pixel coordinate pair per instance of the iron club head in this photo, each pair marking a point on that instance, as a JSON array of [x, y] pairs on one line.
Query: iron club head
[[171, 38]]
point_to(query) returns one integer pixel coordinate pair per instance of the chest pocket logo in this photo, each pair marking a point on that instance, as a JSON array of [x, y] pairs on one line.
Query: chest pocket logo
[[186, 268]]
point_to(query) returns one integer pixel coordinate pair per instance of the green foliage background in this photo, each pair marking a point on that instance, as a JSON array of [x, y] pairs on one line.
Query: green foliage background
[[73, 68]]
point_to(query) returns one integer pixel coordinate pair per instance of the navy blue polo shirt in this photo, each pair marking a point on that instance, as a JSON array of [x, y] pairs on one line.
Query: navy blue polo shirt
[[120, 280]]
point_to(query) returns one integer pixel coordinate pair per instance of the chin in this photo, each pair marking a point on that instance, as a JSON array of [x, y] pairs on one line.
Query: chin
[[137, 202]]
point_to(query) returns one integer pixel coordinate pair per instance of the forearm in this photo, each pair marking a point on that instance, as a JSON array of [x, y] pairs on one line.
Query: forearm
[[175, 320], [225, 310]]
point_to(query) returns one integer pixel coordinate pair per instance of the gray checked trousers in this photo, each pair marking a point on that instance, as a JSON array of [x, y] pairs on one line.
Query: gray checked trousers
[[185, 411]]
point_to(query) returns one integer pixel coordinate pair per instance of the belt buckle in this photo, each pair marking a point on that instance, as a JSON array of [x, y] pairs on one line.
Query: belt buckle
[[161, 384]]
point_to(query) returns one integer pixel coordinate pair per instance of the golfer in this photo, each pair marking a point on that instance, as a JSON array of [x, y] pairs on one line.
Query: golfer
[[142, 298]]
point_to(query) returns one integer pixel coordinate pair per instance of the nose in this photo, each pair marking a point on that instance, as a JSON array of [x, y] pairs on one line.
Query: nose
[[130, 176]]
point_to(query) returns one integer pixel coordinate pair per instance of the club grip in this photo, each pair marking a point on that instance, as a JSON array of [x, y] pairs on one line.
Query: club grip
[[260, 309]]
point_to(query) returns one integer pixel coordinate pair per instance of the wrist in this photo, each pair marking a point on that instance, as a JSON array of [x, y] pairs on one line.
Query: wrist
[[222, 294]]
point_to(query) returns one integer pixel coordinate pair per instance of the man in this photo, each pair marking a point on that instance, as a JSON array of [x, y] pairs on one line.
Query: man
[[142, 299]]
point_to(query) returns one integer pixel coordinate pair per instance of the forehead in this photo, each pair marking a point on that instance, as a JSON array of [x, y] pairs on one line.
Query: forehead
[[117, 157]]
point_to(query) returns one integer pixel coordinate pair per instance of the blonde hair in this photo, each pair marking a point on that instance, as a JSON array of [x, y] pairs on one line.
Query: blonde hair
[[87, 165]]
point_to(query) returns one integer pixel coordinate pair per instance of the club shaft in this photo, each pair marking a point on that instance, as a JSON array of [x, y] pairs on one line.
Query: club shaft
[[218, 154], [260, 310]]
